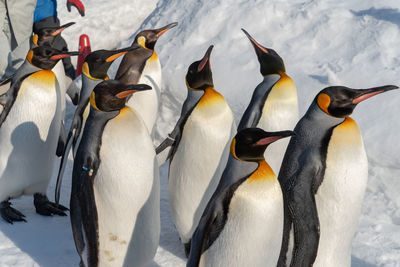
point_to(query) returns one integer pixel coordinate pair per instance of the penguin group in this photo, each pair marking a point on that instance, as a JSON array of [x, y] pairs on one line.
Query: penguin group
[[239, 195]]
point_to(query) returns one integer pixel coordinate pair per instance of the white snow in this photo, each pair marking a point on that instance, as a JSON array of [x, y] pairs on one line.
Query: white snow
[[323, 42]]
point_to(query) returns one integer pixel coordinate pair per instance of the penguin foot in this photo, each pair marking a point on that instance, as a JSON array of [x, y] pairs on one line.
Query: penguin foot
[[10, 214], [45, 207]]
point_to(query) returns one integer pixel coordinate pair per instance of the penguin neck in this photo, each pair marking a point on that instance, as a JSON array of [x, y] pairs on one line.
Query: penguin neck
[[102, 117], [234, 171], [88, 84], [319, 118], [253, 112], [90, 143], [193, 97], [26, 68]]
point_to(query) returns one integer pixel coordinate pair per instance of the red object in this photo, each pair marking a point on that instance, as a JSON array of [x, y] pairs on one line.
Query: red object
[[84, 48], [78, 4]]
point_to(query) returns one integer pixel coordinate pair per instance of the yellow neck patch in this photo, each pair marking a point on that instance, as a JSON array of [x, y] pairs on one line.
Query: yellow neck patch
[[35, 39], [93, 101], [263, 172], [29, 56], [124, 111], [85, 70], [323, 102], [154, 56], [210, 97]]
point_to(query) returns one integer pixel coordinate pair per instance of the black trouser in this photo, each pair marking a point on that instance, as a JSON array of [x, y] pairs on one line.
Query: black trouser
[[59, 42]]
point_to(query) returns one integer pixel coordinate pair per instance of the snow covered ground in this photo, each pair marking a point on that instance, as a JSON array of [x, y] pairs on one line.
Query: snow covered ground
[[323, 42]]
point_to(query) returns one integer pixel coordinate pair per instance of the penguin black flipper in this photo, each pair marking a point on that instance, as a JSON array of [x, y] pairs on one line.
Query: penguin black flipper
[[301, 213], [8, 98], [174, 137], [84, 218], [61, 140], [73, 93], [7, 80], [73, 134], [211, 223], [253, 112]]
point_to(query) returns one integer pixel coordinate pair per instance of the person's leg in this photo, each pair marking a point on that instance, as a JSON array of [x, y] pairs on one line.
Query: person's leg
[[20, 14], [4, 39]]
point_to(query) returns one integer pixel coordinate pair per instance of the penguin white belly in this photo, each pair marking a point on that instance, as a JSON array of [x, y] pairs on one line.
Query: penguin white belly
[[127, 193], [28, 137], [146, 103], [280, 113], [60, 74], [339, 197], [198, 164], [252, 235]]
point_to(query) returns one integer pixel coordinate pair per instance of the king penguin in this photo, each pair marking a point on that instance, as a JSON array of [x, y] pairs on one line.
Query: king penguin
[[323, 178], [273, 106], [29, 131], [199, 148], [115, 197], [46, 37], [243, 222], [94, 71], [143, 66]]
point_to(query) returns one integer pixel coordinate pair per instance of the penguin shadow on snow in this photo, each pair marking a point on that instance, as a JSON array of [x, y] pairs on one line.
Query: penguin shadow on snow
[[169, 237], [41, 237], [356, 262], [386, 14]]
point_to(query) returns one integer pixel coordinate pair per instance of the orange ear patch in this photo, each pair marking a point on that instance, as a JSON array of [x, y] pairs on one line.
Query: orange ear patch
[[35, 39], [93, 101], [29, 56], [142, 41], [323, 102], [232, 148]]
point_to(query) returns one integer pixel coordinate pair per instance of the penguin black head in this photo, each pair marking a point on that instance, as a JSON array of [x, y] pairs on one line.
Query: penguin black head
[[249, 144], [46, 36], [46, 58], [111, 95], [270, 61], [98, 62], [148, 38], [199, 75], [340, 101]]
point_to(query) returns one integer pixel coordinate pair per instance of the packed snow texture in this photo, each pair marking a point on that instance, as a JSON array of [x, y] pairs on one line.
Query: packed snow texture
[[323, 43]]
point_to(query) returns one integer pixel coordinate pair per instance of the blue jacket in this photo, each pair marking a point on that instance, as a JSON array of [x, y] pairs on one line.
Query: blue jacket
[[44, 9]]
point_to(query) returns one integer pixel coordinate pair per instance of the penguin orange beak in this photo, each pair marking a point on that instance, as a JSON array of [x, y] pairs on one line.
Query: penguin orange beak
[[63, 27], [364, 94], [130, 89], [162, 30], [274, 137], [255, 44], [64, 55], [206, 59]]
